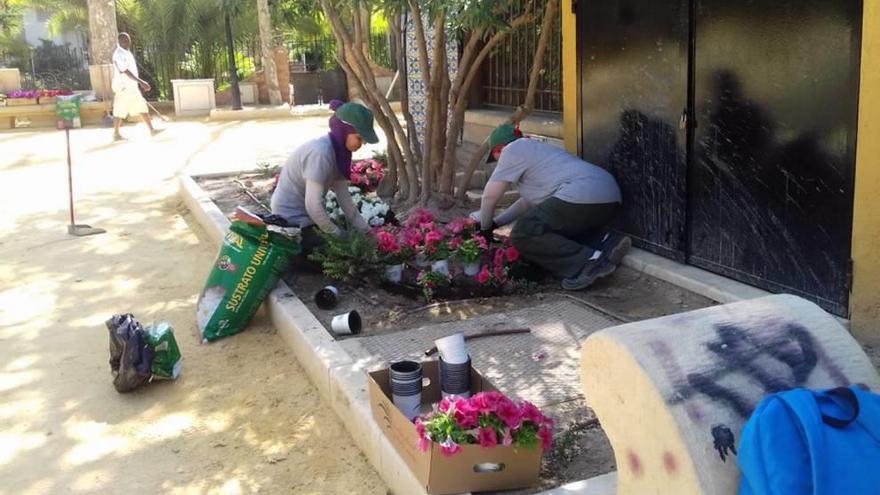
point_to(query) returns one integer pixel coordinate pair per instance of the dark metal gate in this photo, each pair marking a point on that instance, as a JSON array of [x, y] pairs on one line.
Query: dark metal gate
[[634, 74], [756, 182]]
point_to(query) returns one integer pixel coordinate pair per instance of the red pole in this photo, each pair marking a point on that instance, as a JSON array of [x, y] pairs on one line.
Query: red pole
[[69, 175]]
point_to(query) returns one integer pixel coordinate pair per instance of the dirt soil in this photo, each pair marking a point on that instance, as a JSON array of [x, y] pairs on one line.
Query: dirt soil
[[243, 417]]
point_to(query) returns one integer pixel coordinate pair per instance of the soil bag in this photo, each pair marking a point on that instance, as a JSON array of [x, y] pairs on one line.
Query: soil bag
[[166, 353], [131, 358], [250, 261]]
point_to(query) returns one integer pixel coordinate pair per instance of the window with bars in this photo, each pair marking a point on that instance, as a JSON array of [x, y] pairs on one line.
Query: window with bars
[[505, 73]]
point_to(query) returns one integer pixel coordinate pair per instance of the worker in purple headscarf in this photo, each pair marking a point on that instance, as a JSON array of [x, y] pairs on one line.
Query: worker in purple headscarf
[[321, 164]]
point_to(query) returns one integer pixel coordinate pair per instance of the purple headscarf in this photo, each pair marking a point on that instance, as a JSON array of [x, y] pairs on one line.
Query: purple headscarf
[[339, 130]]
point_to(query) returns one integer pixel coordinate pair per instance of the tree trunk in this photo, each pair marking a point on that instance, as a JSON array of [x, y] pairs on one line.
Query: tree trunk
[[550, 12], [460, 103], [412, 135], [266, 44], [233, 71], [102, 31]]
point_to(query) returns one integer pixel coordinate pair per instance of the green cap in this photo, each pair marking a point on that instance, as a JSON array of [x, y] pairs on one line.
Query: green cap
[[359, 117], [503, 134]]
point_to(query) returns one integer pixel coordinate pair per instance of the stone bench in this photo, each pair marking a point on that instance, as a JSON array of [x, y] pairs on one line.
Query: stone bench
[[673, 393]]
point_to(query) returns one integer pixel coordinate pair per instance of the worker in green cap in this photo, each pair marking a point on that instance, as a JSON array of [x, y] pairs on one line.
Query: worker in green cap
[[565, 208], [320, 165]]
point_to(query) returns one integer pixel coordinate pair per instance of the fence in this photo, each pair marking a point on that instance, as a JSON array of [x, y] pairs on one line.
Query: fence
[[50, 66], [506, 70], [319, 53], [200, 61]]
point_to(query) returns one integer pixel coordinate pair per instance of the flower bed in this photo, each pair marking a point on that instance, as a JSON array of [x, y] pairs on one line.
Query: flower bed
[[34, 96], [423, 257], [21, 97]]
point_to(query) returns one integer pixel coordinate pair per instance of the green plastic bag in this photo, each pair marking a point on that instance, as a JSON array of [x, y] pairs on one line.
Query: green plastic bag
[[166, 354], [67, 107], [250, 262]]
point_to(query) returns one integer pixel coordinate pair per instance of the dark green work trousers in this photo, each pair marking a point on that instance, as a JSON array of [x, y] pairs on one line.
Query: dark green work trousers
[[560, 236]]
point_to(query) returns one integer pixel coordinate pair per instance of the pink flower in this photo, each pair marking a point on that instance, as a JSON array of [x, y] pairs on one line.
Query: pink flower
[[424, 442], [412, 238], [509, 413], [433, 237], [487, 437], [458, 225], [387, 242], [512, 254], [529, 412], [455, 242], [546, 437], [465, 414], [507, 439], [445, 404], [484, 275], [418, 217], [486, 402], [499, 257], [448, 447], [500, 273], [481, 241]]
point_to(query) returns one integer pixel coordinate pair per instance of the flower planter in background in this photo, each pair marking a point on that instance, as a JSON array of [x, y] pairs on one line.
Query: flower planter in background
[[12, 102]]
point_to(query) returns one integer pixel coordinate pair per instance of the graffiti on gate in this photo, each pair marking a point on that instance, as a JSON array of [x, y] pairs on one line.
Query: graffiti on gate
[[772, 357]]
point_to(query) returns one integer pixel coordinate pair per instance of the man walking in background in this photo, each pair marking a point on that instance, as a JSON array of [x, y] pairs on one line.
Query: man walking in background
[[127, 97]]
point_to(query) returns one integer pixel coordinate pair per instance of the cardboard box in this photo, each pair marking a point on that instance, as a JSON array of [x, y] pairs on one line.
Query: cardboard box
[[474, 468]]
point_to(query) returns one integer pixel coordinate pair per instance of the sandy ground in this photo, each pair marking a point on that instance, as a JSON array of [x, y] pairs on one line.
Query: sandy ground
[[243, 418]]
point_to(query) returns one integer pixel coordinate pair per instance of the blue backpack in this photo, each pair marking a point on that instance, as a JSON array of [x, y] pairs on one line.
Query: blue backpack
[[812, 442]]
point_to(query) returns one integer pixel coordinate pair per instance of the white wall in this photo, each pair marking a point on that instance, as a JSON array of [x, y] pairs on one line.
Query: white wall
[[36, 28]]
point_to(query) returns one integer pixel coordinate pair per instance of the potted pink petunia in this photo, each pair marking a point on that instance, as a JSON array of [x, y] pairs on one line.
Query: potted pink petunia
[[487, 419], [392, 251], [367, 173]]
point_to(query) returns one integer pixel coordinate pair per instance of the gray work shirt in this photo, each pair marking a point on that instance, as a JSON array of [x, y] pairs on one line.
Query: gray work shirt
[[540, 171], [313, 161]]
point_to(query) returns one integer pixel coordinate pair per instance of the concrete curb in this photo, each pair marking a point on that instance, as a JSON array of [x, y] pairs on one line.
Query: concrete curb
[[341, 380], [699, 281]]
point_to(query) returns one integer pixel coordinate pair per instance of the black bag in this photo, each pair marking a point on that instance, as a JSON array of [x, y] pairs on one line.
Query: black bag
[[131, 359]]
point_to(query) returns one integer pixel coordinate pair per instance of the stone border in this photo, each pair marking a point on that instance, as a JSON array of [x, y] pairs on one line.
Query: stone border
[[715, 287], [341, 380]]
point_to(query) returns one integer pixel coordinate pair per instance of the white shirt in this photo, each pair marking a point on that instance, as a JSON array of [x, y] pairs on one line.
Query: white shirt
[[124, 60]]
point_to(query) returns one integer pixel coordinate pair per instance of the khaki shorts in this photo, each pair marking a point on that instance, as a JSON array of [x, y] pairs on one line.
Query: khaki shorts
[[128, 102]]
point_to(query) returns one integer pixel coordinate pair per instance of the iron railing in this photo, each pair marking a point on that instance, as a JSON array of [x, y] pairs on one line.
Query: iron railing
[[50, 66], [200, 61], [319, 53], [506, 70]]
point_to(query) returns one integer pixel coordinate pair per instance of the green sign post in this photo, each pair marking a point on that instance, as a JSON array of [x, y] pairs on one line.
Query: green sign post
[[67, 109]]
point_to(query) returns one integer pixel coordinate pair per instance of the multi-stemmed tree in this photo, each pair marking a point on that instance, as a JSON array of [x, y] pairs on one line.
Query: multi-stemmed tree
[[419, 170]]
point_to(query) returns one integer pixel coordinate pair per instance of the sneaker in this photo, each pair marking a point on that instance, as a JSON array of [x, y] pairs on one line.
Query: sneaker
[[118, 137], [157, 131], [592, 271], [616, 245]]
